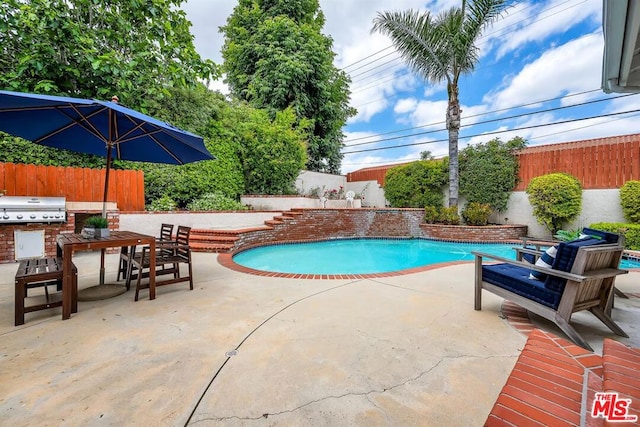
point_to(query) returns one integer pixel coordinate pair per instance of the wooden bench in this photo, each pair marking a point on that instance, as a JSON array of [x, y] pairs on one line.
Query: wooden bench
[[41, 272]]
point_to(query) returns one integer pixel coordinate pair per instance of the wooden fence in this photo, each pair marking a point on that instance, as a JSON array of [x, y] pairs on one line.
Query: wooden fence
[[604, 163], [126, 187]]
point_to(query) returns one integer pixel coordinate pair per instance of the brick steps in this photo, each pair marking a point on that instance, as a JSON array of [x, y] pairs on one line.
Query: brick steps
[[551, 375], [224, 241]]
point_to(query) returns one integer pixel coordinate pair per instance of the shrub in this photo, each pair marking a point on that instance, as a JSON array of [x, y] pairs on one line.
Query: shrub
[[449, 216], [489, 172], [567, 235], [630, 201], [631, 232], [431, 214], [215, 202], [164, 203], [556, 198], [416, 185], [476, 213]]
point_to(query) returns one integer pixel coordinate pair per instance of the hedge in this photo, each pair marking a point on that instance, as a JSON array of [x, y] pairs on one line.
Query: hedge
[[631, 232]]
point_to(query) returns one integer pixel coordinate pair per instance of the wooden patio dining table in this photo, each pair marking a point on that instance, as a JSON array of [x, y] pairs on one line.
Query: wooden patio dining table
[[69, 243]]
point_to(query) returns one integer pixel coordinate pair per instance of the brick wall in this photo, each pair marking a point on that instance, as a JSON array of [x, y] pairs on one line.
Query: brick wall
[[316, 224], [51, 232], [339, 223], [486, 233]]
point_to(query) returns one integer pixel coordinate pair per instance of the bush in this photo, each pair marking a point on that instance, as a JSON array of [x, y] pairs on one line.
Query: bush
[[215, 202], [556, 198], [476, 213], [489, 172], [416, 185], [431, 214], [630, 201], [449, 216], [164, 203], [631, 232]]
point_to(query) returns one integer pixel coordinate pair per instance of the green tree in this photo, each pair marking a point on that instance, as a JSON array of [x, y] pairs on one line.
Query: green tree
[[442, 48], [276, 57], [416, 185], [209, 115], [98, 48], [556, 198], [489, 172], [273, 151]]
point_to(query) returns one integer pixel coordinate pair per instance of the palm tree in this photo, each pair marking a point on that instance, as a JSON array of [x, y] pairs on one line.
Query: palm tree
[[442, 48]]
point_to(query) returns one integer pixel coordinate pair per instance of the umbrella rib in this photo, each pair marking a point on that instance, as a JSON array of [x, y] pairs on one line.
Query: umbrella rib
[[83, 122]]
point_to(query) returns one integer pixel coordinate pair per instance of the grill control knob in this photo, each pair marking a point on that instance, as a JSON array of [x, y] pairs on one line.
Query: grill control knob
[[32, 216], [19, 216], [45, 216], [5, 216]]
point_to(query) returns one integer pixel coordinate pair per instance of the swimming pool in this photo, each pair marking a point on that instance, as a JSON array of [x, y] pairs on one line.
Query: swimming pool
[[367, 256]]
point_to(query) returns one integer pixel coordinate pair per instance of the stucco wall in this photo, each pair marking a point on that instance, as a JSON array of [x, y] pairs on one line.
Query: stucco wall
[[597, 206], [149, 222], [308, 180]]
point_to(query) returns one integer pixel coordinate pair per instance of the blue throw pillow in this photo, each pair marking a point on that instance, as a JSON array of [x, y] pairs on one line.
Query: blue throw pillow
[[546, 261]]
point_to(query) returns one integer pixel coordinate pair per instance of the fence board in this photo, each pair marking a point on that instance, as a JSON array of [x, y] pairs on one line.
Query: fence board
[[75, 184]]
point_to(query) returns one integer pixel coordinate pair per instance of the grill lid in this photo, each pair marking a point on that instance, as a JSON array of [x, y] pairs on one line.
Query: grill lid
[[31, 209]]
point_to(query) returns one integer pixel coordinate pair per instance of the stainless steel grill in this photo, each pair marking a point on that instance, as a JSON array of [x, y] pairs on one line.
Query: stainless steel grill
[[15, 209]]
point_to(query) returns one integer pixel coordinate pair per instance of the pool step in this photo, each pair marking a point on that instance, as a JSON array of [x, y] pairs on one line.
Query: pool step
[[224, 241]]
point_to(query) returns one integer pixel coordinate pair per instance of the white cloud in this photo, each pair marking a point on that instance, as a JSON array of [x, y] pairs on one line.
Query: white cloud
[[405, 106], [572, 67]]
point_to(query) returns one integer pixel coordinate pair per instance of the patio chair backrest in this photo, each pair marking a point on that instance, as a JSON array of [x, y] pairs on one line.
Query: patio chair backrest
[[166, 231], [565, 258], [182, 239]]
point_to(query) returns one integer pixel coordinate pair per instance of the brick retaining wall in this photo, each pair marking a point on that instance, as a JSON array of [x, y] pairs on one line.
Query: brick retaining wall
[[315, 224], [318, 224], [487, 233]]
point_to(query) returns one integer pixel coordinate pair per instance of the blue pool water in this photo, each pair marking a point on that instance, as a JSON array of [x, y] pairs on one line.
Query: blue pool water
[[366, 256]]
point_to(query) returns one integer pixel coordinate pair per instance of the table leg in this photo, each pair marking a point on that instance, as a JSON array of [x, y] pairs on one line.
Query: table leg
[[67, 282], [152, 269]]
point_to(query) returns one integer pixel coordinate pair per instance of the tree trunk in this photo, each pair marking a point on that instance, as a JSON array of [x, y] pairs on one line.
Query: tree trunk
[[453, 125]]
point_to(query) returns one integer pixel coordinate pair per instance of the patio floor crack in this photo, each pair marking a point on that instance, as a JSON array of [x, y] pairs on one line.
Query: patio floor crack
[[365, 394]]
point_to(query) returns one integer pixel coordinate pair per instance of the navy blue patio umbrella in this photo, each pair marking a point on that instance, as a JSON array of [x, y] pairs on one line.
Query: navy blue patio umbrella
[[103, 128]]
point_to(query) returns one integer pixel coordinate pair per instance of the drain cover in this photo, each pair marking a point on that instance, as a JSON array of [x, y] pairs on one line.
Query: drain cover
[[231, 353]]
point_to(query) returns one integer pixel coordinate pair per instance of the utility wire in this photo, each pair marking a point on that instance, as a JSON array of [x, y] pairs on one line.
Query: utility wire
[[496, 119], [387, 162], [494, 132], [475, 115]]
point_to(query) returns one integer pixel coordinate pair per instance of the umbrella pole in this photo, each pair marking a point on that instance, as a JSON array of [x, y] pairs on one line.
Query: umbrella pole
[[102, 291]]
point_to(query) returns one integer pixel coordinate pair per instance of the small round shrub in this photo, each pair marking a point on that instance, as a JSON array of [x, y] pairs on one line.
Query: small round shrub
[[215, 202], [630, 201], [449, 216], [476, 213], [431, 214], [164, 203], [556, 198]]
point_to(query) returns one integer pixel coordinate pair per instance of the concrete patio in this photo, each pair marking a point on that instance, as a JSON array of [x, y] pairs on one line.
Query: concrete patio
[[251, 350]]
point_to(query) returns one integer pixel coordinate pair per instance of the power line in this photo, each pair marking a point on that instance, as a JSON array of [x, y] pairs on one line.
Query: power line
[[494, 132], [535, 137], [497, 119]]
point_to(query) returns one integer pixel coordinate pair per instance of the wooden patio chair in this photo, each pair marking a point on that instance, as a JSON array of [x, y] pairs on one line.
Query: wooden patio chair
[[169, 256], [581, 278], [533, 250], [126, 252]]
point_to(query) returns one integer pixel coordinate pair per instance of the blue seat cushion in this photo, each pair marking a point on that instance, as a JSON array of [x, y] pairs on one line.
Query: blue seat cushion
[[564, 260], [516, 279]]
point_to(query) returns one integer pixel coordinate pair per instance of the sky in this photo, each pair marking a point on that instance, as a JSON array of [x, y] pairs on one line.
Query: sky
[[539, 78]]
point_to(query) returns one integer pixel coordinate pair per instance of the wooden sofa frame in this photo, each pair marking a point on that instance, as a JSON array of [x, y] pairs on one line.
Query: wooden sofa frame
[[589, 286]]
